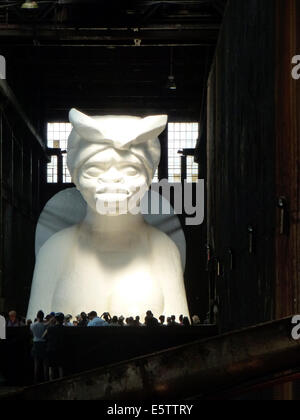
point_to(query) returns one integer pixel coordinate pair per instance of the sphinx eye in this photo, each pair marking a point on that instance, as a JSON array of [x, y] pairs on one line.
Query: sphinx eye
[[131, 171], [92, 172]]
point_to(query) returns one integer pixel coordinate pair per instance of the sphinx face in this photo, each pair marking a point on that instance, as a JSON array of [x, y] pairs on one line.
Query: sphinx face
[[112, 182], [112, 159]]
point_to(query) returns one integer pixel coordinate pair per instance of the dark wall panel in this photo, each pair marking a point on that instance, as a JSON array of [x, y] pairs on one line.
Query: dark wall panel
[[241, 169], [288, 158], [20, 160]]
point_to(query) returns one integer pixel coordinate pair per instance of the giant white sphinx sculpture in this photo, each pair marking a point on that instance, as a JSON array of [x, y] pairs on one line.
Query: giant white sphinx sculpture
[[113, 261]]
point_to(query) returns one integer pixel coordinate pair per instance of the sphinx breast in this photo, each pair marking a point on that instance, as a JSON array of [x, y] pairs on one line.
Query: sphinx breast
[[135, 291], [114, 283]]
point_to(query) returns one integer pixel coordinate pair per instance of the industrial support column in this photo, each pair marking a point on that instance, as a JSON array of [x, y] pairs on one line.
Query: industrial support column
[[1, 218], [287, 241]]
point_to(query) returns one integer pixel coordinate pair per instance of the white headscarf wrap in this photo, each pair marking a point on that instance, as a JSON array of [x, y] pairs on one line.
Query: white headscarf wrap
[[91, 135]]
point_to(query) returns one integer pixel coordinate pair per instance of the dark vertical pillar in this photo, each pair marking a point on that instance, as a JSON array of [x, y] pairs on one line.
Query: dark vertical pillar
[[288, 157], [287, 293], [287, 240], [163, 166], [1, 216], [183, 169], [60, 168], [241, 162]]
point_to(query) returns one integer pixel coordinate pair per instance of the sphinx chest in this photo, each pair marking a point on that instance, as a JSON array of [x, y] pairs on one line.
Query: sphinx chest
[[119, 279]]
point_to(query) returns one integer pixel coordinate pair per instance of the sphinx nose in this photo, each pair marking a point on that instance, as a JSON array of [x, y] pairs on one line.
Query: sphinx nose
[[111, 176]]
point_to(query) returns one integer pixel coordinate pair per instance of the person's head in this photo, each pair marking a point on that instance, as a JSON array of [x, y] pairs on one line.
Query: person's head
[[149, 314], [115, 320], [186, 322], [111, 159], [68, 318], [40, 316], [162, 319], [181, 319], [106, 316], [129, 321], [173, 318], [75, 323], [169, 320], [196, 320], [28, 322], [121, 320], [92, 315], [51, 317], [83, 316], [12, 315], [137, 319], [59, 318]]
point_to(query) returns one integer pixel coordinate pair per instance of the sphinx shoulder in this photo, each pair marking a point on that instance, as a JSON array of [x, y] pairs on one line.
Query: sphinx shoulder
[[162, 243], [58, 245]]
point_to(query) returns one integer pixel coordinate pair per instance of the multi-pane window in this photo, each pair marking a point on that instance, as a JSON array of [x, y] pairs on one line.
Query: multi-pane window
[[52, 168], [58, 134], [182, 136]]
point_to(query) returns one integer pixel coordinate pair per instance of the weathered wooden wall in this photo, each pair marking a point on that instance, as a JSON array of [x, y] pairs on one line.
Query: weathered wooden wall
[[288, 157], [21, 157], [241, 165], [287, 296]]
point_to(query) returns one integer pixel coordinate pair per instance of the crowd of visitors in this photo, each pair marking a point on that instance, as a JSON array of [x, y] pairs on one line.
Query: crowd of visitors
[[46, 347], [93, 320]]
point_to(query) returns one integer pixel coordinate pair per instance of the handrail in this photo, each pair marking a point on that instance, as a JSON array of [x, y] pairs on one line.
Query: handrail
[[203, 368]]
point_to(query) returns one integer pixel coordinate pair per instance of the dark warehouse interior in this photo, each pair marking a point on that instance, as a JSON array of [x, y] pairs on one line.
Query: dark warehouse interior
[[225, 65]]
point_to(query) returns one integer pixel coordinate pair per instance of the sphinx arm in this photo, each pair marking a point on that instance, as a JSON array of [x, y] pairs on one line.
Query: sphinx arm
[[45, 278], [172, 278]]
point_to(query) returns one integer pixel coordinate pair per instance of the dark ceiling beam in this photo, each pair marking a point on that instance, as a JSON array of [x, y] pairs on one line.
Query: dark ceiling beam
[[182, 114], [204, 35], [139, 3], [102, 100], [24, 44], [184, 2], [46, 28]]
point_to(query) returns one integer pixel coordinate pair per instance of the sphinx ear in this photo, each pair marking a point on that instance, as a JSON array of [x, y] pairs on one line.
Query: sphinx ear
[[85, 126], [152, 127]]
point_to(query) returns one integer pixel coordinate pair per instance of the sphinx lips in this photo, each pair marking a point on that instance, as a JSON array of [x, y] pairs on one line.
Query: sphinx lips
[[110, 194]]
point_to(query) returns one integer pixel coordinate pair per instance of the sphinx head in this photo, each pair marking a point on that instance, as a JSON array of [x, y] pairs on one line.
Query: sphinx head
[[112, 160]]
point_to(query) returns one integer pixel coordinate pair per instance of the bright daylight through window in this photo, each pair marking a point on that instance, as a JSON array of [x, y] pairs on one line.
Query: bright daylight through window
[[180, 136]]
